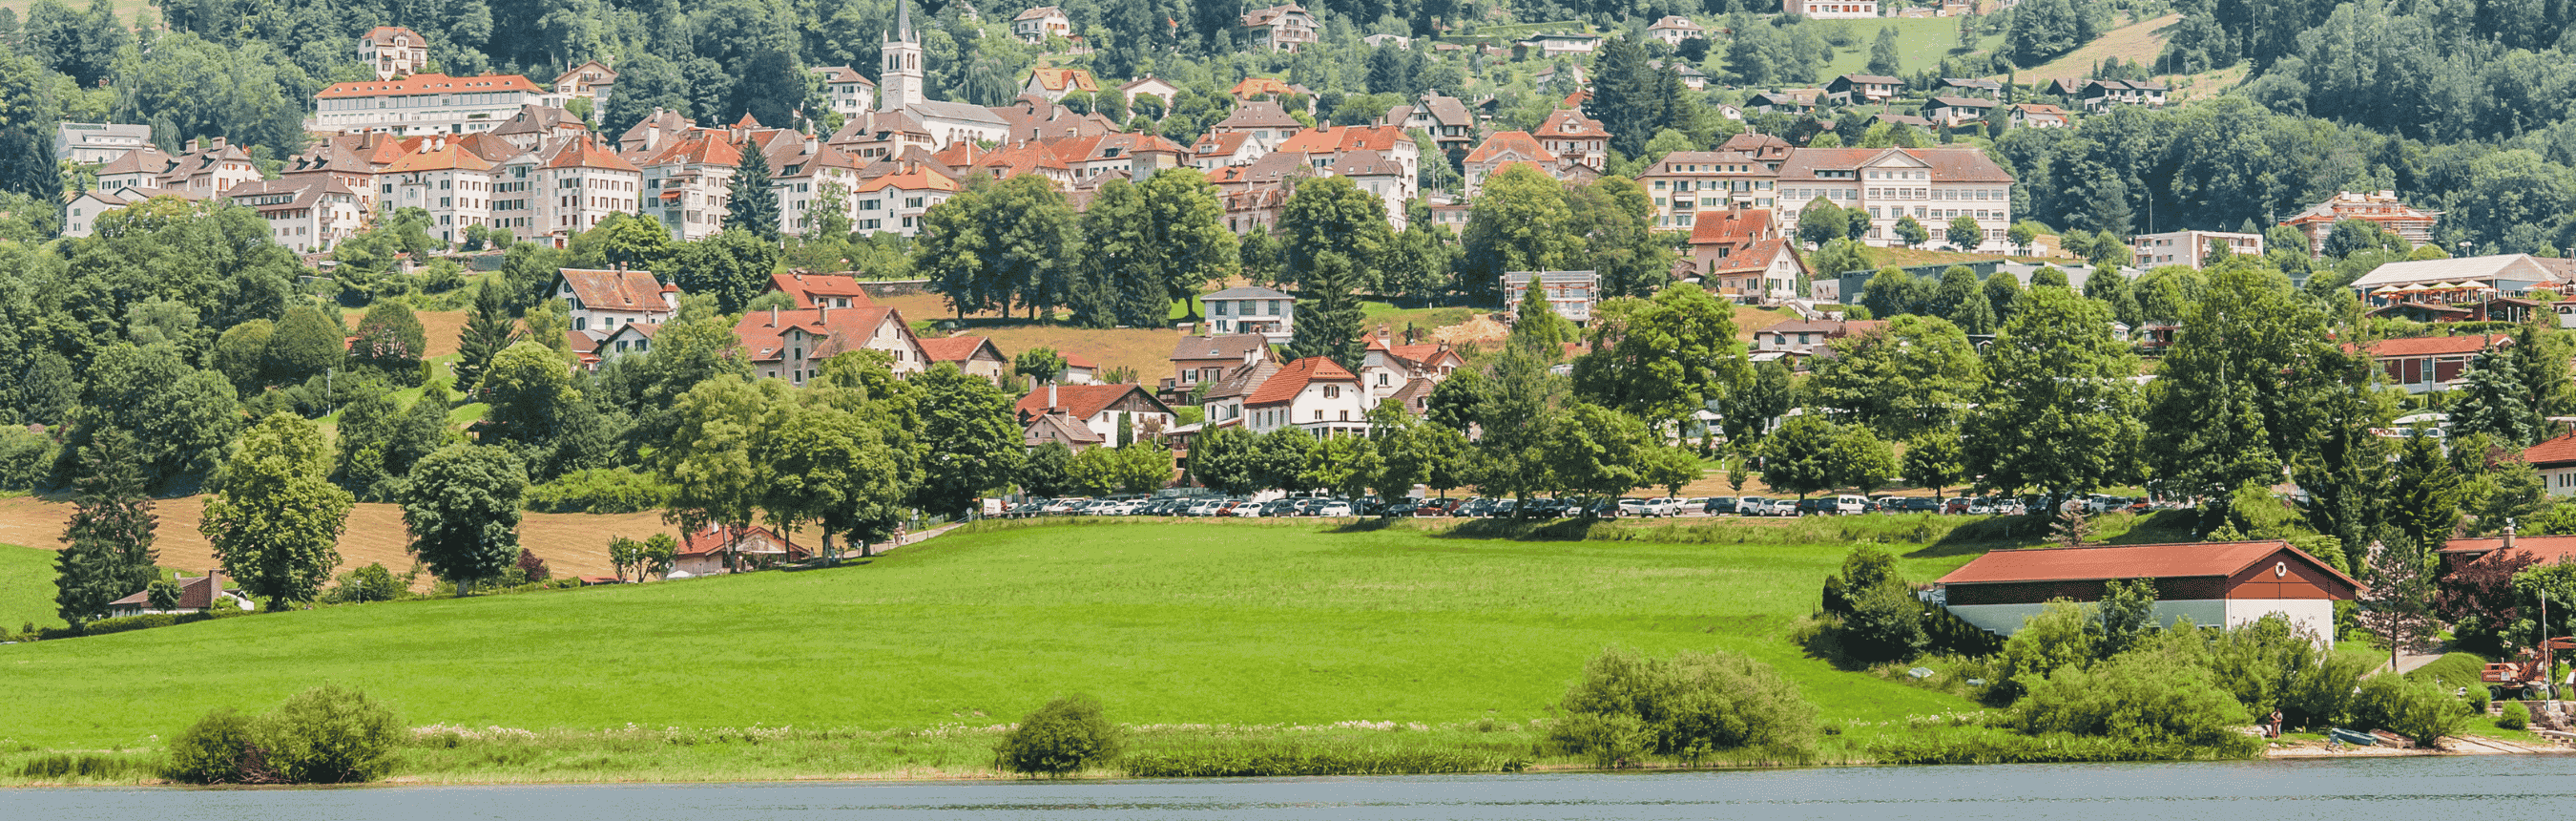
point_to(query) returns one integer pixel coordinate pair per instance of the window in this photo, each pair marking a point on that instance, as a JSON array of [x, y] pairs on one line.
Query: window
[[1332, 391]]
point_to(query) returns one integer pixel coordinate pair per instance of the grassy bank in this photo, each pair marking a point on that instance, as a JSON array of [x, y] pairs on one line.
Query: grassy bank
[[1282, 646]]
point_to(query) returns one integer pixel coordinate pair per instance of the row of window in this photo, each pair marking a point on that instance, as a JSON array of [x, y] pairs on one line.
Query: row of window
[[1250, 307]]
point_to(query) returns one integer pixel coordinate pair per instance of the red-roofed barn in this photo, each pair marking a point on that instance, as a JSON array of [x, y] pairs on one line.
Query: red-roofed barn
[[2215, 584]]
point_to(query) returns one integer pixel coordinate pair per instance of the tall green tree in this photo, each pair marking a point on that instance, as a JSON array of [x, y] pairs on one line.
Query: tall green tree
[[709, 460], [1627, 95], [180, 417], [733, 266], [1030, 235], [1333, 216], [2237, 396], [273, 519], [751, 206], [950, 252], [1800, 457], [1821, 221], [390, 341], [1330, 316], [2425, 495], [307, 344], [1934, 459], [1660, 359], [2491, 399], [2060, 412], [107, 547], [1520, 222], [821, 462], [1615, 220], [462, 506], [1190, 244], [1113, 286], [1883, 59], [1915, 374], [971, 441]]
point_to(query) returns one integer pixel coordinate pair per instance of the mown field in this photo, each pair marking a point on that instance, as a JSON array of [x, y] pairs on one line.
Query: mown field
[[1168, 623], [26, 588]]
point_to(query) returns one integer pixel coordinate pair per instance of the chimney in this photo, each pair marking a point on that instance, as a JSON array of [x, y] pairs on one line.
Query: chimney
[[2508, 533], [1051, 395], [773, 316], [192, 145], [822, 312], [218, 143]]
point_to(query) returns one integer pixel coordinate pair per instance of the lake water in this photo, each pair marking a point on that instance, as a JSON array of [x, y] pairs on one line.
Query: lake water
[[2515, 786]]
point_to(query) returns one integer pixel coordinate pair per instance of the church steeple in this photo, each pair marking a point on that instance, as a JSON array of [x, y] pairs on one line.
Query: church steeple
[[899, 78]]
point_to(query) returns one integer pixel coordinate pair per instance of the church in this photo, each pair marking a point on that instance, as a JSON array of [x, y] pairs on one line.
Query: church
[[900, 87]]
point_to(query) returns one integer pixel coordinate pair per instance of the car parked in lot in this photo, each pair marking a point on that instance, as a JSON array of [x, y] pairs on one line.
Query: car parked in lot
[[1916, 504], [1849, 505], [1333, 507], [1752, 506]]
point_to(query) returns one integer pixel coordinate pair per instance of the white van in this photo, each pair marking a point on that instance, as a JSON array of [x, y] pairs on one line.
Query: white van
[[1848, 505]]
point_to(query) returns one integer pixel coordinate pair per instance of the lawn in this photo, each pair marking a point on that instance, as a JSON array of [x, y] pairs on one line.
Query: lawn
[[1245, 623], [26, 588], [1921, 43], [2139, 41]]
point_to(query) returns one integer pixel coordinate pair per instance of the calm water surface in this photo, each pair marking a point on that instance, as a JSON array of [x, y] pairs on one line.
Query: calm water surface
[[2514, 787]]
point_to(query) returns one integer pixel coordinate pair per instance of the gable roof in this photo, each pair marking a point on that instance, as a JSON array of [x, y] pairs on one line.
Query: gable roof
[[804, 286], [1080, 401], [2541, 547], [1247, 292], [1328, 139], [1258, 114], [842, 329], [430, 84], [1730, 226], [2148, 561], [712, 539], [2489, 267], [195, 593], [958, 348], [2437, 345], [616, 290], [1756, 257], [1227, 346], [1504, 144], [842, 74], [1054, 78], [1293, 378], [584, 152], [2557, 451], [1063, 427], [1568, 123]]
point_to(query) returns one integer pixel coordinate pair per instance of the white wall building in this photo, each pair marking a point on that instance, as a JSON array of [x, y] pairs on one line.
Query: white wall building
[[425, 104]]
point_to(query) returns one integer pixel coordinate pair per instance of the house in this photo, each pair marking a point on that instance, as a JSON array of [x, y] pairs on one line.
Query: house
[[1807, 337], [2039, 115], [393, 51], [1053, 83], [1575, 137], [1222, 404], [2100, 95], [2431, 363], [2555, 459], [1790, 101], [603, 300], [1383, 40], [1099, 409], [1854, 89], [1557, 44], [1684, 184], [1035, 25], [1546, 77], [1968, 87], [1313, 394], [98, 143], [1831, 9], [1252, 309], [1149, 86], [973, 355], [847, 92], [1057, 428], [629, 339], [196, 593], [716, 550], [812, 290], [1251, 88], [1214, 151], [80, 216], [1571, 293], [1763, 271], [423, 104], [592, 80], [1508, 148], [1932, 185], [2221, 584], [1283, 28], [2194, 249], [1953, 112], [443, 178], [1445, 118], [1078, 370], [1388, 369], [1198, 360], [307, 216], [793, 344], [1673, 29], [2382, 207], [1692, 78], [1261, 118], [687, 182], [536, 126]]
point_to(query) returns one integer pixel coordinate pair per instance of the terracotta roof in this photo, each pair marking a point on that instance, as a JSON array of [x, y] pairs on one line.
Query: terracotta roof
[[617, 290], [1423, 354], [1754, 257], [1514, 142], [1293, 379], [2552, 453], [2149, 561], [1327, 140], [1571, 124], [1229, 346], [1731, 226], [956, 348], [2542, 547], [916, 180], [430, 84], [711, 539], [450, 156], [584, 152], [804, 286], [2438, 345], [1066, 429], [843, 74], [1258, 114], [1077, 401], [1946, 164], [1063, 79], [1213, 144], [840, 329], [195, 593]]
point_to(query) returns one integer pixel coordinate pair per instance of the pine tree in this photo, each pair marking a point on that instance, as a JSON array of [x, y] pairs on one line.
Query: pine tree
[[2492, 400], [1882, 54], [107, 549], [751, 205], [1329, 317], [1625, 96], [487, 331]]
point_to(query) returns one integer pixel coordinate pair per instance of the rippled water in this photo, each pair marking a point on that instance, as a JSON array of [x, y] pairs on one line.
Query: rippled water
[[2511, 786]]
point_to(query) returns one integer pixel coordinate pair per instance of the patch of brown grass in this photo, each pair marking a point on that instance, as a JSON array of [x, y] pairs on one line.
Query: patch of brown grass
[[2138, 42], [440, 330], [573, 544]]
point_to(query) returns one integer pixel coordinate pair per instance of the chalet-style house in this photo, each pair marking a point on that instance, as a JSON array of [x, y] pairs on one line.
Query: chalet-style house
[[2224, 584], [1855, 89], [603, 300], [1284, 27], [793, 344], [974, 355], [1099, 409], [812, 290]]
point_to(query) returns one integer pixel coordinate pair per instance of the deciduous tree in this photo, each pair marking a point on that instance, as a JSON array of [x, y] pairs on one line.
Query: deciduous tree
[[273, 519], [462, 506]]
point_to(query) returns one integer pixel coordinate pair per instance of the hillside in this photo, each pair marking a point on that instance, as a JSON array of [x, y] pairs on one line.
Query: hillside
[[1165, 622], [2138, 42], [571, 543], [1921, 43]]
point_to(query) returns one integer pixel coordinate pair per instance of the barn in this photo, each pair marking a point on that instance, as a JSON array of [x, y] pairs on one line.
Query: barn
[[2214, 583]]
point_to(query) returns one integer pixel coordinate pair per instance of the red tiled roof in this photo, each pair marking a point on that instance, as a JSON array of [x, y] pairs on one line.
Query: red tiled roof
[[616, 290], [1064, 79], [430, 84], [2545, 547], [584, 152], [956, 348], [1327, 140], [2559, 451], [1516, 141], [2148, 561], [805, 286], [839, 329], [712, 539], [2437, 345], [1561, 120], [1294, 378], [1731, 226]]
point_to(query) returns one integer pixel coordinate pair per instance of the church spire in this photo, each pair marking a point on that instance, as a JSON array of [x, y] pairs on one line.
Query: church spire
[[903, 32]]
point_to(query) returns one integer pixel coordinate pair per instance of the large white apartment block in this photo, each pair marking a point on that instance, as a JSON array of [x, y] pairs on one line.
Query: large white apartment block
[[1831, 9], [425, 104], [1932, 185], [2190, 248], [1685, 183], [96, 143], [307, 216], [443, 178]]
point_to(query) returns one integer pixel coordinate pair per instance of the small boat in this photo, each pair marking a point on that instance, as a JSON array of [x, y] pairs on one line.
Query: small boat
[[2353, 737]]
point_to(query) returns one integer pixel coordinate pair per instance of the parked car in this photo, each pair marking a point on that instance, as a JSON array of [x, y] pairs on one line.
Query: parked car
[[1752, 506], [1603, 509], [1916, 504], [1278, 507], [1333, 507], [1818, 506], [1957, 506], [2012, 507], [1716, 505], [1402, 507], [1548, 508], [1436, 507], [1981, 506], [1476, 506], [1630, 506], [1502, 508], [1848, 505], [1664, 506]]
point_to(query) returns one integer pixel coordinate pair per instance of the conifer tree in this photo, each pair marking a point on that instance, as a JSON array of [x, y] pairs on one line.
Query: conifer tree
[[750, 205], [487, 331], [107, 549], [1330, 315]]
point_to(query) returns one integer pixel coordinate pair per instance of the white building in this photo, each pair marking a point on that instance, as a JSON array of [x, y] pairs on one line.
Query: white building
[[393, 51], [1036, 25], [307, 216], [847, 92], [97, 143], [1311, 393], [1572, 293], [1252, 309], [443, 178], [2190, 248], [425, 104], [1674, 29], [1932, 185], [1831, 9], [604, 301], [80, 216]]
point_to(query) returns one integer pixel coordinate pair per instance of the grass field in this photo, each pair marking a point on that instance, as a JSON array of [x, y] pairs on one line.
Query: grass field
[[26, 588], [1921, 43], [1253, 623], [2137, 42]]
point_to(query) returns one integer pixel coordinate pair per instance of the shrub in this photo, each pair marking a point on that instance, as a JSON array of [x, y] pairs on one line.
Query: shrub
[[25, 457], [2060, 636], [218, 749], [2409, 708], [1063, 737], [1692, 704], [2140, 698], [370, 583], [2515, 716], [1611, 740], [595, 490], [1864, 569], [1885, 624], [325, 735]]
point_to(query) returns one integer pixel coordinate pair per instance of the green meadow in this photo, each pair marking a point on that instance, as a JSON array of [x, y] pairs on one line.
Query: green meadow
[[26, 588]]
